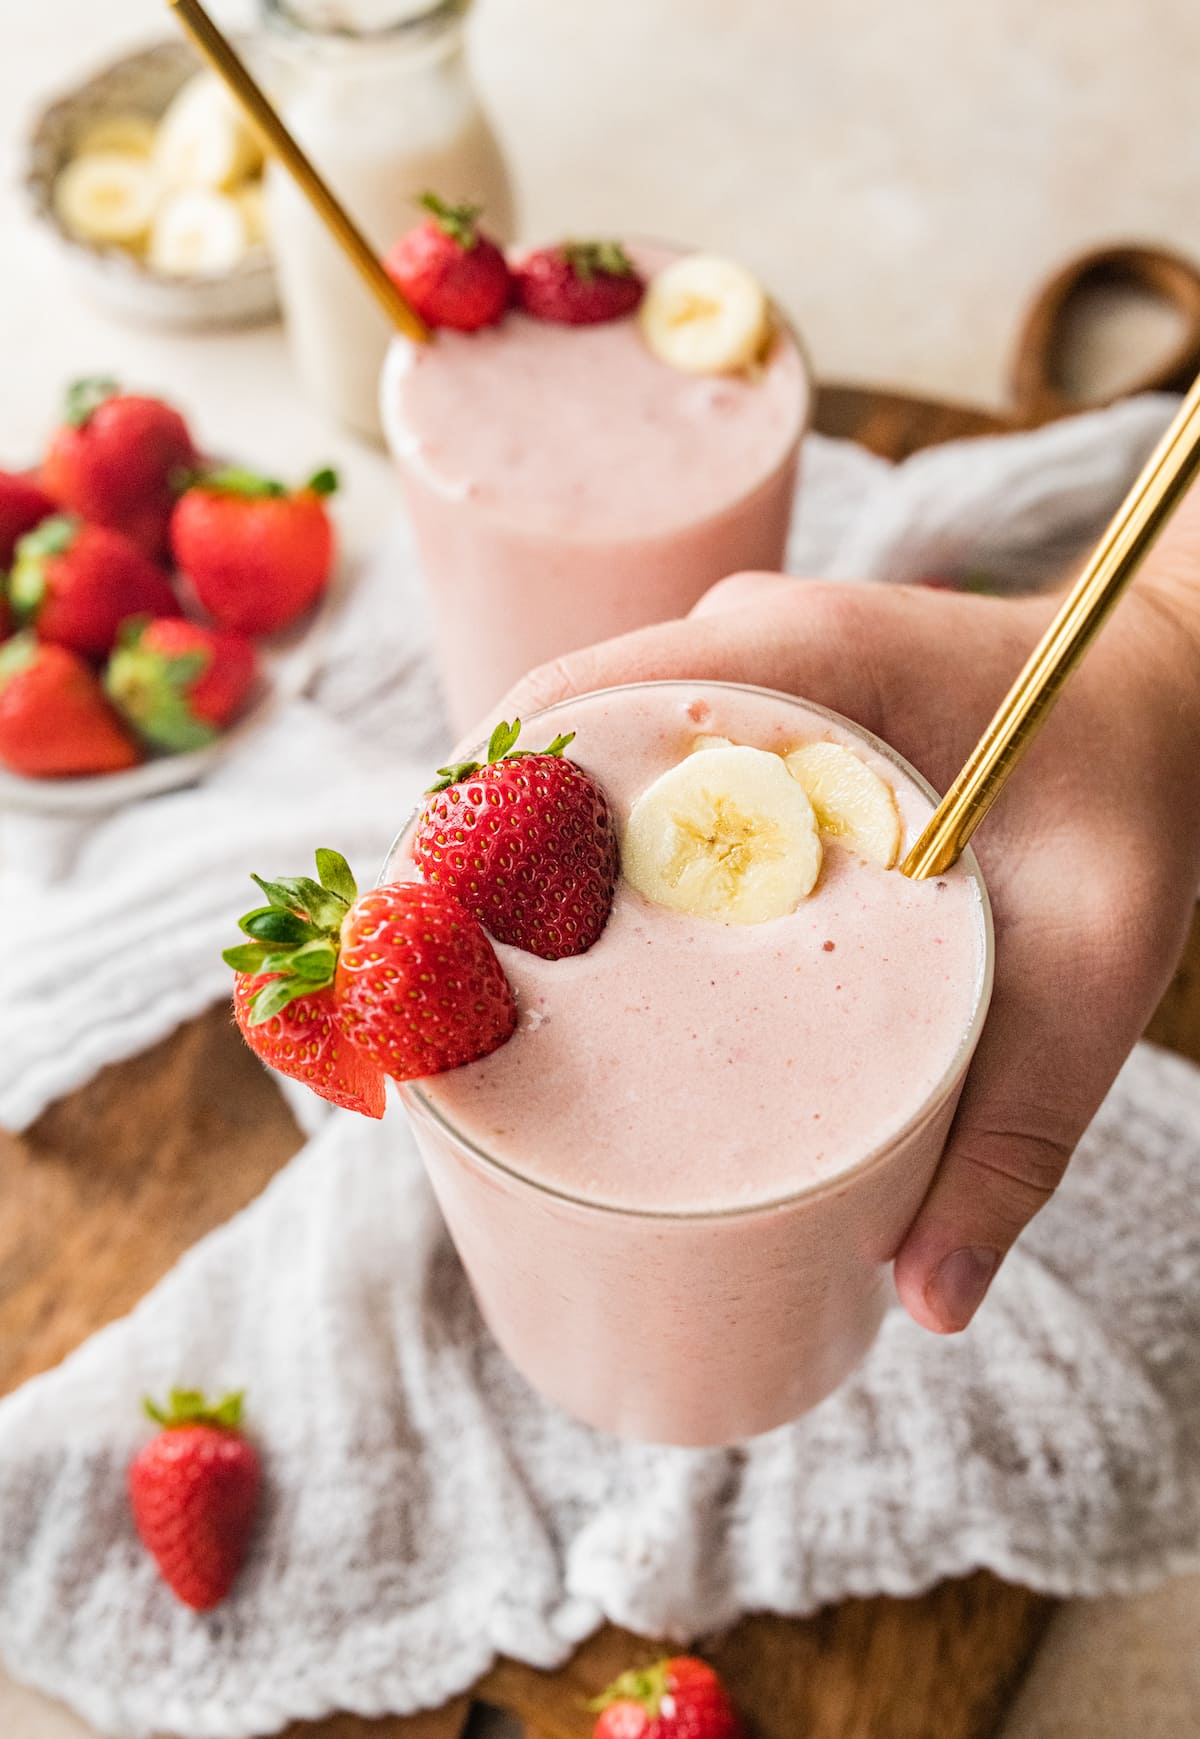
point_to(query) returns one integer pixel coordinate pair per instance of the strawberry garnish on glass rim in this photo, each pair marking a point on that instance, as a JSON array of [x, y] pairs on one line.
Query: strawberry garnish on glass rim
[[450, 271], [526, 841], [578, 283], [338, 990]]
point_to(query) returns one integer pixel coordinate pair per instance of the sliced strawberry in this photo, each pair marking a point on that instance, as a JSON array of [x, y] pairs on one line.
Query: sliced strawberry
[[178, 683], [450, 272], [304, 1039], [418, 984], [526, 842], [404, 974], [54, 719], [578, 283]]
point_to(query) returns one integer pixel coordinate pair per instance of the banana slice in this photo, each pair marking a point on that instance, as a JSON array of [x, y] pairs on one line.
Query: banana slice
[[700, 743], [727, 834], [253, 208], [107, 197], [203, 140], [705, 315], [197, 233], [132, 135], [851, 801]]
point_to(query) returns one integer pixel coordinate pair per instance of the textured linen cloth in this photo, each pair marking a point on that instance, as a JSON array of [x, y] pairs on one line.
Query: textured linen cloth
[[425, 1510]]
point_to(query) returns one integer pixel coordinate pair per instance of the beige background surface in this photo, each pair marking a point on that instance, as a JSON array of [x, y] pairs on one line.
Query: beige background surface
[[903, 176]]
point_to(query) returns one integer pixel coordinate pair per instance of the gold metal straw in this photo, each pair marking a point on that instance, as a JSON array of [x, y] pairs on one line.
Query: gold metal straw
[[1116, 559], [226, 62]]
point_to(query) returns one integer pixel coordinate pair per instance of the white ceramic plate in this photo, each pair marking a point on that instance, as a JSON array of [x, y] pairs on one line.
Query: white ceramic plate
[[288, 662]]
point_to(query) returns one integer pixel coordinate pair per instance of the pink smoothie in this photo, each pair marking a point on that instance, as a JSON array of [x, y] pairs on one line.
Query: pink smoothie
[[565, 485], [736, 1122]]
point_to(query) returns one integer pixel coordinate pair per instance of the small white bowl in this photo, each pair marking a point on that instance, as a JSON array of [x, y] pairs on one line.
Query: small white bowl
[[142, 83]]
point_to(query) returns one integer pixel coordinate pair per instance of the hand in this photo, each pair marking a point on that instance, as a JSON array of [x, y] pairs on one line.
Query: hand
[[1091, 856]]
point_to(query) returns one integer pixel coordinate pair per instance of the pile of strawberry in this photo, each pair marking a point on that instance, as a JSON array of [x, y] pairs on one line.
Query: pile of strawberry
[[340, 991], [454, 275], [134, 579]]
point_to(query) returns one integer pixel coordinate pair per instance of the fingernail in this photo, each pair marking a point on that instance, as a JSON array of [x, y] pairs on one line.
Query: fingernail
[[959, 1282]]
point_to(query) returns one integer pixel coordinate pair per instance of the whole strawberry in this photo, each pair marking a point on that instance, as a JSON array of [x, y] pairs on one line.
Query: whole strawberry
[[75, 583], [54, 719], [404, 975], [119, 459], [177, 683], [578, 283], [194, 1491], [526, 842], [257, 554], [679, 1698], [451, 273], [23, 505]]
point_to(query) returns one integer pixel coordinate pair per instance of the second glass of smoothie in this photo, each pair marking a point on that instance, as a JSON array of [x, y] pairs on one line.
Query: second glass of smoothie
[[566, 485], [677, 1189]]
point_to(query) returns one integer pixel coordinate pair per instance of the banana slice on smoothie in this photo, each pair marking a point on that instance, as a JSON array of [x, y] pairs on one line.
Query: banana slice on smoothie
[[107, 197], [705, 315], [851, 801], [727, 834]]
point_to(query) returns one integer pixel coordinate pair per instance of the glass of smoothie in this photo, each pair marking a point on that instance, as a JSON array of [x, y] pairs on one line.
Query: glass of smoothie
[[678, 1188], [565, 484]]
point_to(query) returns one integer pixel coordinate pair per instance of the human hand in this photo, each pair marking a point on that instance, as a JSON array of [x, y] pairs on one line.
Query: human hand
[[1091, 856]]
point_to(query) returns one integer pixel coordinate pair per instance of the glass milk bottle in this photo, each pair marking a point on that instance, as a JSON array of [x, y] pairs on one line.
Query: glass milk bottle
[[379, 94]]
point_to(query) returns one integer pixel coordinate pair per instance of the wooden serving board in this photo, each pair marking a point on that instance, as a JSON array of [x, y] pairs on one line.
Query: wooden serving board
[[115, 1182]]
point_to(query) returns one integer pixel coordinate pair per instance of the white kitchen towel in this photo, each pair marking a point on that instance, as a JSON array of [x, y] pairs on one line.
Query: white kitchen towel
[[425, 1510], [113, 924]]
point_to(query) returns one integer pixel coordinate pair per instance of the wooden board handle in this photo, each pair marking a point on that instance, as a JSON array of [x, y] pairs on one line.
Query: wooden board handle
[[1039, 390]]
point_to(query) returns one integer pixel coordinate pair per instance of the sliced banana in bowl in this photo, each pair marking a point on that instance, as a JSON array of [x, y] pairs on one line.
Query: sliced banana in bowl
[[727, 834], [106, 163], [197, 232], [107, 197]]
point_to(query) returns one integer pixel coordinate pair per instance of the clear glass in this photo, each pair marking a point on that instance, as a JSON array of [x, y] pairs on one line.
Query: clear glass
[[379, 93], [779, 1301], [526, 596]]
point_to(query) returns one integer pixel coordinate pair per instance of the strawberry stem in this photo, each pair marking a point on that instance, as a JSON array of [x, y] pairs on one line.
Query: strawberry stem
[[590, 260], [501, 747], [296, 937], [189, 1407], [323, 482], [84, 398], [644, 1685], [459, 222], [237, 480]]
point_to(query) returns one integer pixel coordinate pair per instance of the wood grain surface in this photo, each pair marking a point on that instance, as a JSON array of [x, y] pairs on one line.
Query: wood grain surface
[[114, 1182]]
